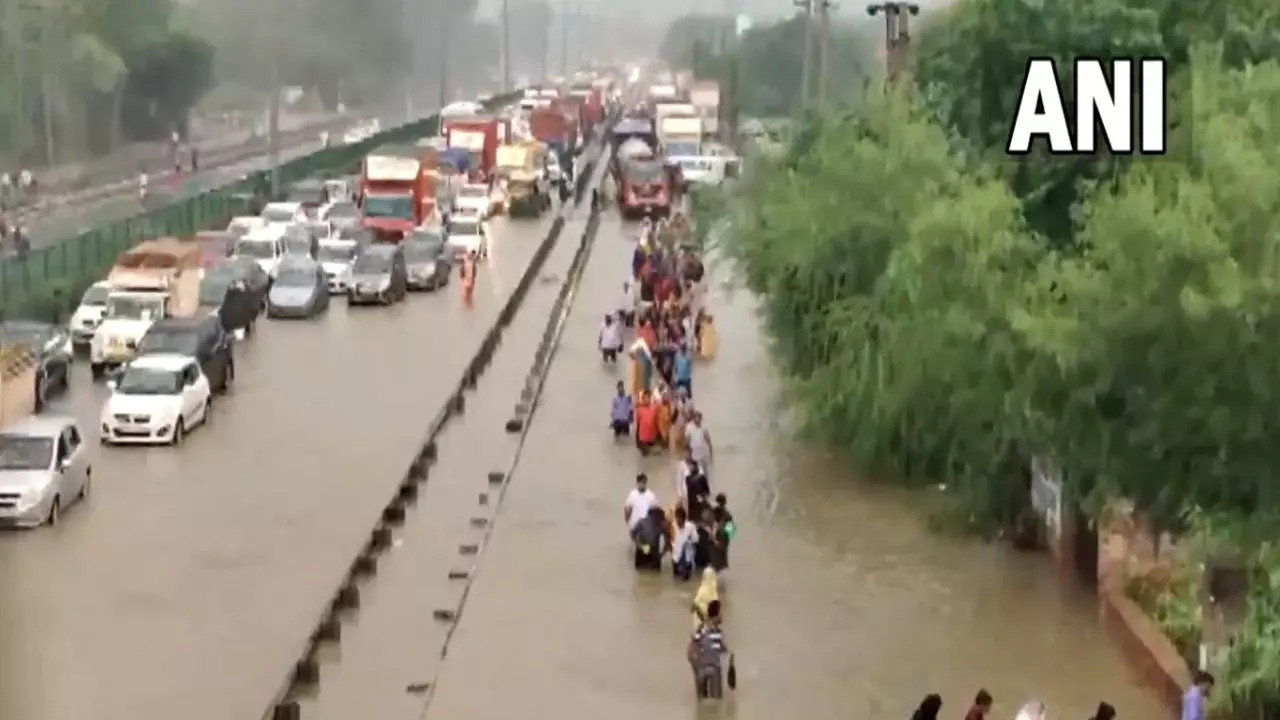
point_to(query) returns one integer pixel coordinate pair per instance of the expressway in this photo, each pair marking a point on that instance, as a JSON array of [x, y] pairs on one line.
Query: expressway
[[57, 222], [188, 583]]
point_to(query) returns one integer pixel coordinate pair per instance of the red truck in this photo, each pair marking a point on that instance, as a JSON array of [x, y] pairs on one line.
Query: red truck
[[549, 125], [644, 189], [591, 101], [478, 135], [398, 191]]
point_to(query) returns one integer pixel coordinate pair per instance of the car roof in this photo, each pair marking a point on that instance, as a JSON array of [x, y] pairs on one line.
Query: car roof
[[255, 219], [263, 234], [180, 323], [38, 425], [161, 361], [379, 249], [337, 241], [283, 205], [298, 260]]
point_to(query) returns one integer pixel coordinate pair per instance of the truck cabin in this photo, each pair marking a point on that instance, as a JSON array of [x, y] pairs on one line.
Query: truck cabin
[[645, 182], [147, 305]]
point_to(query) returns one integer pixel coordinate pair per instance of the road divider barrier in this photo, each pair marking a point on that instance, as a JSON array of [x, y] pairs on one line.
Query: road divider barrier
[[49, 281], [306, 675]]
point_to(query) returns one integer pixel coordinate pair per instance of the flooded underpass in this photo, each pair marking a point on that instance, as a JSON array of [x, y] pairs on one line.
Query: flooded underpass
[[189, 582], [840, 602]]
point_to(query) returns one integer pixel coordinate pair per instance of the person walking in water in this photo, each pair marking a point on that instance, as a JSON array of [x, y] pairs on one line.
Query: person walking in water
[[610, 340], [706, 652], [1194, 699], [1104, 712], [929, 708], [468, 270], [981, 704], [683, 544], [698, 440], [620, 413]]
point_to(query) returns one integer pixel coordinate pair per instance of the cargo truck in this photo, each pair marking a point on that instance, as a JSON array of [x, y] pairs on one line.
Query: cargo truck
[[680, 136], [644, 188], [398, 189], [156, 279], [478, 136], [705, 96], [521, 168]]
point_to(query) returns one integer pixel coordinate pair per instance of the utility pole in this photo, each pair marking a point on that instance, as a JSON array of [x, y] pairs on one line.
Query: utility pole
[[806, 7], [273, 114], [897, 35], [824, 46], [564, 38], [506, 46], [442, 46]]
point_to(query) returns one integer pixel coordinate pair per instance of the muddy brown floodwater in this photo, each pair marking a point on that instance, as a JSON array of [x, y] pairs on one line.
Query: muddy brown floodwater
[[841, 604]]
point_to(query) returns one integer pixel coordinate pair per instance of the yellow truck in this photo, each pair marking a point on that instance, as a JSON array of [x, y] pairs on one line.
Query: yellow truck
[[522, 169], [156, 279]]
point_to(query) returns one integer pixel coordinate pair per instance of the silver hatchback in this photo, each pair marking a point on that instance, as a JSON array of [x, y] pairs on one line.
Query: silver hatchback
[[44, 467]]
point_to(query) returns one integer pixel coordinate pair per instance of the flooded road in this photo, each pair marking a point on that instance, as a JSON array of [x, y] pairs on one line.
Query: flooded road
[[189, 582], [840, 603]]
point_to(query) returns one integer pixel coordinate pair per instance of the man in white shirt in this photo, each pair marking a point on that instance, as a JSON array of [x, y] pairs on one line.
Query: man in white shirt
[[610, 339], [639, 501], [698, 440], [683, 546]]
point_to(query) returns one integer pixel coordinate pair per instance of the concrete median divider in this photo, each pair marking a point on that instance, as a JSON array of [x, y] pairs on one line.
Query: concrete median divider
[[345, 601], [499, 481]]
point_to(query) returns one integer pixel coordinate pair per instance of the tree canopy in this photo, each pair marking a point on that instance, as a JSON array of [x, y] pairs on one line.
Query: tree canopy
[[78, 76]]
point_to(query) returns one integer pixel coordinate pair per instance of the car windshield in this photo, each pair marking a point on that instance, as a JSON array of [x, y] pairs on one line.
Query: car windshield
[[25, 452], [464, 228], [96, 295], [473, 191], [260, 249], [418, 251], [297, 245], [681, 149], [644, 172], [240, 228], [307, 194], [134, 307], [336, 254], [342, 210], [399, 207], [149, 381], [278, 214], [175, 340], [370, 264], [296, 276]]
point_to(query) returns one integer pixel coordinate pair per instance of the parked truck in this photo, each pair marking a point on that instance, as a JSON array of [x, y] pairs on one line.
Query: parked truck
[[680, 136], [156, 279], [705, 96], [521, 168], [478, 135], [398, 189]]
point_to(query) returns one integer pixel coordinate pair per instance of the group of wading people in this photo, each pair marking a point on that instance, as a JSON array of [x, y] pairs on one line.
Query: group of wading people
[[659, 327]]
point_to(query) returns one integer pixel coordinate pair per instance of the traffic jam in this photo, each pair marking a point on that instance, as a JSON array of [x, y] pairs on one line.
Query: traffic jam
[[164, 330]]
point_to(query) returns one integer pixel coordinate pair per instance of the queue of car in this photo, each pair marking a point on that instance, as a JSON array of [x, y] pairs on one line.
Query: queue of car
[[161, 329]]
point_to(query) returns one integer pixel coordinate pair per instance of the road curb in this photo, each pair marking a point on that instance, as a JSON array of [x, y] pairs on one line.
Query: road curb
[[306, 675]]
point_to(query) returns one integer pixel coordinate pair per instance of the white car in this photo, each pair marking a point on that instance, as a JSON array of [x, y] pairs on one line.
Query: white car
[[266, 246], [88, 315], [158, 398], [129, 315], [468, 235], [336, 257], [473, 199], [283, 213], [244, 224]]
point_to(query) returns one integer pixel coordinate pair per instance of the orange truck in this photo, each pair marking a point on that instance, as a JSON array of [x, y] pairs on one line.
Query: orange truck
[[479, 137], [398, 190]]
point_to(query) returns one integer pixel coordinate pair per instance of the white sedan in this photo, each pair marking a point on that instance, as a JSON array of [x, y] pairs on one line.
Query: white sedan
[[157, 399], [468, 235], [473, 199]]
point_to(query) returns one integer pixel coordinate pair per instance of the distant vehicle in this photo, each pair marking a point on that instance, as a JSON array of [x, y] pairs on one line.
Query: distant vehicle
[[309, 194], [462, 108], [378, 275], [283, 213], [472, 199], [216, 246], [428, 260], [236, 292], [157, 399], [203, 338], [44, 467], [244, 224], [51, 344], [336, 257], [88, 315], [266, 249], [341, 214], [301, 239], [467, 235], [301, 289]]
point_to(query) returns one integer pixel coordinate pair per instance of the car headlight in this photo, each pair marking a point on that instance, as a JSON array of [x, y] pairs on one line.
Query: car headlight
[[384, 283]]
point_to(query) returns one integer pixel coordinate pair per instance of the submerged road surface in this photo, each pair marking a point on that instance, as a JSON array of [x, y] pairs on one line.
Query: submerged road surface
[[189, 582], [840, 603]]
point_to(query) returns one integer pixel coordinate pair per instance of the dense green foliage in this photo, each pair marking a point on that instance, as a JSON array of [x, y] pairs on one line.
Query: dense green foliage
[[943, 313], [79, 76], [765, 63]]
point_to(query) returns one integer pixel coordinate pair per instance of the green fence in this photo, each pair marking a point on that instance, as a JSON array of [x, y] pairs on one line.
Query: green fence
[[51, 279]]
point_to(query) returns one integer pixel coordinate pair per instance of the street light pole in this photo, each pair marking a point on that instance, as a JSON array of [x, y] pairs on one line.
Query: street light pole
[[806, 7], [897, 34], [824, 46], [506, 46]]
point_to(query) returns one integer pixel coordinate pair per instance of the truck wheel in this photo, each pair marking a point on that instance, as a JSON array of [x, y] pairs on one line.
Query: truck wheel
[[97, 370]]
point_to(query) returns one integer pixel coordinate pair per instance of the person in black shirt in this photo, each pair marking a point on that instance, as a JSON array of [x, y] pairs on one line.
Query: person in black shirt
[[723, 528], [697, 489]]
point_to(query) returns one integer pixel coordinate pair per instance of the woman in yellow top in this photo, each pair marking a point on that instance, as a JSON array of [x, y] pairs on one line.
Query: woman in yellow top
[[708, 590]]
